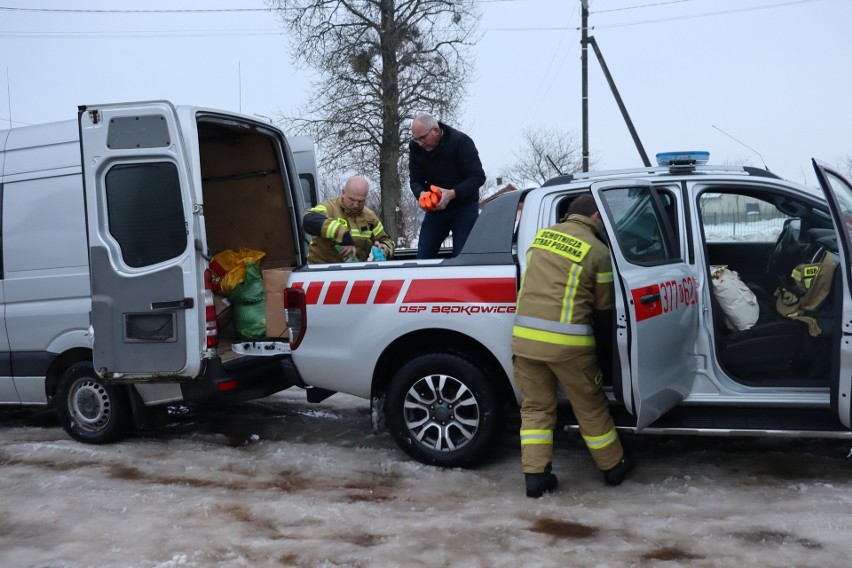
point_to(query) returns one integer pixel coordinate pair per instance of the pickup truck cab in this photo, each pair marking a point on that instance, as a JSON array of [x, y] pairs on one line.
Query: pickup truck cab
[[429, 341]]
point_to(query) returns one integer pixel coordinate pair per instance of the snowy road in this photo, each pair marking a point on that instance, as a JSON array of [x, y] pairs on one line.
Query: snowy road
[[280, 482]]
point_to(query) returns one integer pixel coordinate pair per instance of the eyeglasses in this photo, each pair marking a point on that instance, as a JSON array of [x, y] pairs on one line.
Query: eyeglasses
[[420, 139]]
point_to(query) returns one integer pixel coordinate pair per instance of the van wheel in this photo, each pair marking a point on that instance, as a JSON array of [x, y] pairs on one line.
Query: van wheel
[[442, 410], [89, 409]]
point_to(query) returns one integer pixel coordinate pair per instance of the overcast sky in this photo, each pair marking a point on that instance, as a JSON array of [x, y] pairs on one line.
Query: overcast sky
[[747, 80]]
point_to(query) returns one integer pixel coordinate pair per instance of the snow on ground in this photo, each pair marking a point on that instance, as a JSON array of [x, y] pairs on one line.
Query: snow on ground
[[280, 482]]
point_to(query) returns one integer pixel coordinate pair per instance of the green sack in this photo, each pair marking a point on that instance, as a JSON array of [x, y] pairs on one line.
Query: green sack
[[249, 303]]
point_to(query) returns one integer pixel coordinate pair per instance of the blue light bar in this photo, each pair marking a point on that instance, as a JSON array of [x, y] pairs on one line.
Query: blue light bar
[[682, 159]]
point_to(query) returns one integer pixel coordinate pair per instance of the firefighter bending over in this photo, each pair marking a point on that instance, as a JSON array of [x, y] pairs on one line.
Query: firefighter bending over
[[568, 280], [344, 229]]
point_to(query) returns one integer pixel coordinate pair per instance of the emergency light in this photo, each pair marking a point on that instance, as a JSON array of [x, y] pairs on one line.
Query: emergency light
[[680, 160]]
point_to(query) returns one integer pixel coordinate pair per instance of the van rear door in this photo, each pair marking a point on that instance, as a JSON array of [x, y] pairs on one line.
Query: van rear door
[[838, 193], [656, 304], [139, 209]]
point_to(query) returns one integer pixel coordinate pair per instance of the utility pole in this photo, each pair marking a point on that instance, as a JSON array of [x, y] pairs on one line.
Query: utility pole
[[620, 104], [585, 40], [584, 57]]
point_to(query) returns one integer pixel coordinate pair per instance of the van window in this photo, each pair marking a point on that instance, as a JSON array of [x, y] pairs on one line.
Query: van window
[[145, 212], [309, 189]]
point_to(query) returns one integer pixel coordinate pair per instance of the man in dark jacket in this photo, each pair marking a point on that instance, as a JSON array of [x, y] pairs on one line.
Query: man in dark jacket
[[447, 158]]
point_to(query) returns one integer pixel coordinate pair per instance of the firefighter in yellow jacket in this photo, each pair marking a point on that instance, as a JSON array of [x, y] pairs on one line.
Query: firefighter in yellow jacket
[[345, 229], [568, 280]]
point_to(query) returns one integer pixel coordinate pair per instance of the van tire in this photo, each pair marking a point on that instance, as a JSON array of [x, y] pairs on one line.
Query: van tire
[[425, 419], [89, 409]]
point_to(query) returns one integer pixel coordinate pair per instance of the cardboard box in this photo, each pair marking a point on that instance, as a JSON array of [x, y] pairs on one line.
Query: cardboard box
[[224, 313], [274, 283]]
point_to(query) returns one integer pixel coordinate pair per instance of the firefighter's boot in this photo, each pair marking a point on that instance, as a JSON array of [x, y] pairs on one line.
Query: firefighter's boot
[[615, 475], [539, 483]]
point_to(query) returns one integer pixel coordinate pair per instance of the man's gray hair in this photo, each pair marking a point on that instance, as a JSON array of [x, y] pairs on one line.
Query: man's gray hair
[[426, 121]]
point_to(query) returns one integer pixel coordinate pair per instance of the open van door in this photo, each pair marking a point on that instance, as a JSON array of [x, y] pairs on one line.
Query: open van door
[[656, 296], [139, 210], [838, 194]]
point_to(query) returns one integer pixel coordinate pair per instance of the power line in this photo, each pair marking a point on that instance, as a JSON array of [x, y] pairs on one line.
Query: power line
[[656, 20], [708, 14], [141, 33], [172, 11], [639, 6]]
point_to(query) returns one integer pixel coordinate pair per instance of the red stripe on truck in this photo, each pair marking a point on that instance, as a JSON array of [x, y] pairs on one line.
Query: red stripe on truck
[[388, 291], [462, 290], [447, 290], [312, 294], [360, 292], [335, 293]]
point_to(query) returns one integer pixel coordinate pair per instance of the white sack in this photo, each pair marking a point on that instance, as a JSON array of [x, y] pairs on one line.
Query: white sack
[[739, 304]]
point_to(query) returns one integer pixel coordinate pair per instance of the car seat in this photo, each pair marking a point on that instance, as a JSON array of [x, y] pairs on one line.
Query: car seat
[[769, 347]]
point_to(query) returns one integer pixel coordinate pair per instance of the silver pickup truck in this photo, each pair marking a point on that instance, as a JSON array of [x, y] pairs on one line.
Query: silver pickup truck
[[428, 341]]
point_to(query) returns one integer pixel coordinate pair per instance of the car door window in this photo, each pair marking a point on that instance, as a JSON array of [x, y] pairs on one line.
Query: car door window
[[734, 217], [645, 223]]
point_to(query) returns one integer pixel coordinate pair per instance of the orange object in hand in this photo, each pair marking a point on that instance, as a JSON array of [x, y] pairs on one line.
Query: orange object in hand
[[431, 198]]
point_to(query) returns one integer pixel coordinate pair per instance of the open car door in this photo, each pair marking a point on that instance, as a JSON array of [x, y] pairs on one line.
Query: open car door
[[145, 309], [656, 296], [838, 194]]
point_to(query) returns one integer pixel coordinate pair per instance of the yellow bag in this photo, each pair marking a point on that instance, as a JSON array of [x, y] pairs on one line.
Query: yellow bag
[[229, 268]]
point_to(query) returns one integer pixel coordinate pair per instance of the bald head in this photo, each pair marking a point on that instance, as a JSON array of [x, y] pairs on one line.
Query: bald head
[[355, 193]]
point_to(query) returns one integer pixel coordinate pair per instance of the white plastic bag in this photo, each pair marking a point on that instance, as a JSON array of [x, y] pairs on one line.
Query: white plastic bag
[[739, 304]]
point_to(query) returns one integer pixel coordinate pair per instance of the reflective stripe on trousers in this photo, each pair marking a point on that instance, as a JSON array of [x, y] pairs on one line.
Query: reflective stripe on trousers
[[600, 442], [580, 378], [536, 437]]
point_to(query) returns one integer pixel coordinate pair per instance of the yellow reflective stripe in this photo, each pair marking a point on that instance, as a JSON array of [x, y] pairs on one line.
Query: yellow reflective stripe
[[536, 437], [320, 209], [604, 277], [360, 234], [332, 227], [378, 230], [561, 244], [600, 442], [567, 313], [554, 338], [554, 326]]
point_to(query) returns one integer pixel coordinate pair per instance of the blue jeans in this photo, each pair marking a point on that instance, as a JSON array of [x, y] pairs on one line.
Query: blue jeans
[[437, 225]]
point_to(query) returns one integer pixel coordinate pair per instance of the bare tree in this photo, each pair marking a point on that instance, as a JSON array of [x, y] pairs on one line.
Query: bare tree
[[544, 153], [379, 63]]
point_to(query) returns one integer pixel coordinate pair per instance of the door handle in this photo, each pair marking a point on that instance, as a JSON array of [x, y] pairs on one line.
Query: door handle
[[649, 298], [184, 304]]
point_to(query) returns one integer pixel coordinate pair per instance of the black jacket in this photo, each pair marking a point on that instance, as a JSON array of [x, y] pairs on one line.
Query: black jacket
[[453, 164]]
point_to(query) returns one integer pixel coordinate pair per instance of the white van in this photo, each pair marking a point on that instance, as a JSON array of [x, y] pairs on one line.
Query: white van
[[108, 225]]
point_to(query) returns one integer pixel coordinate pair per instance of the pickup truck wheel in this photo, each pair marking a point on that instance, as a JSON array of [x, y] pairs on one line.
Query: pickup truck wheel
[[89, 409], [442, 410]]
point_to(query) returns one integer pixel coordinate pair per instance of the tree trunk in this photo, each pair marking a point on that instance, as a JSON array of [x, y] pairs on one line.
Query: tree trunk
[[391, 211]]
